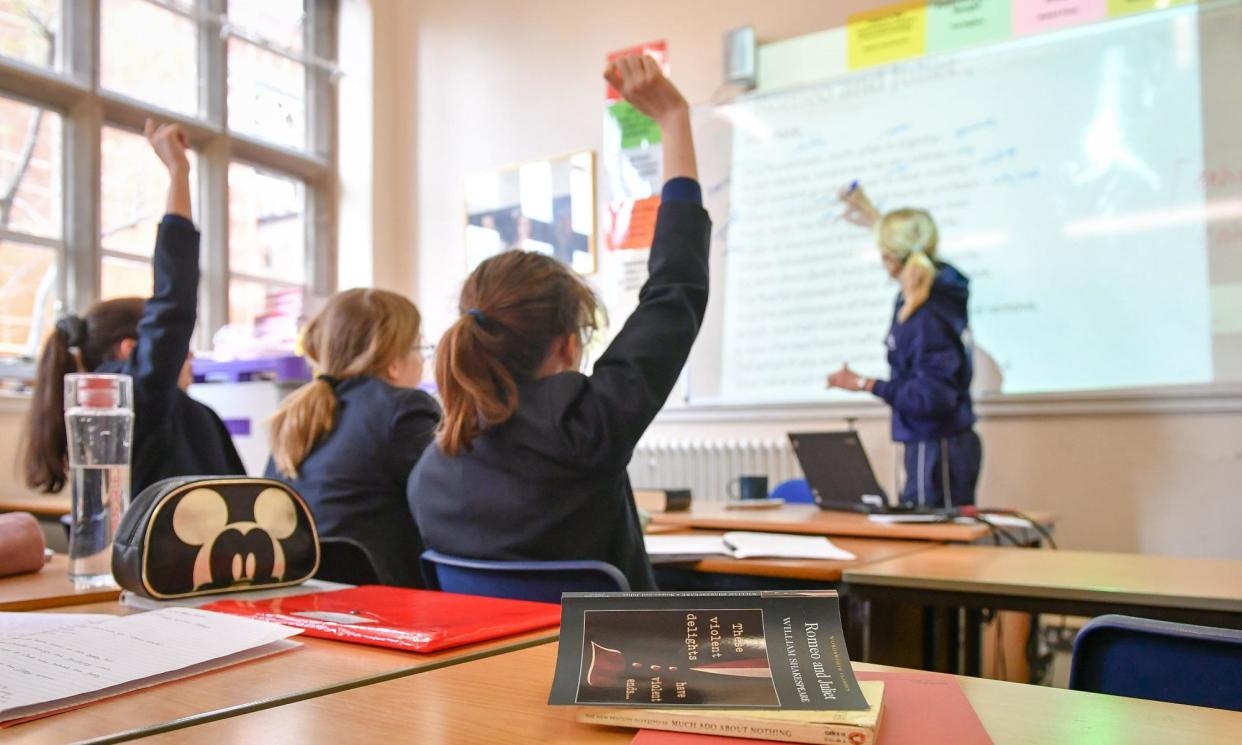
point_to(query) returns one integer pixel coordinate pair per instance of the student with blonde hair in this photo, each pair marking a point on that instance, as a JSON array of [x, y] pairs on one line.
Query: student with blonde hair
[[530, 462], [929, 356], [348, 440]]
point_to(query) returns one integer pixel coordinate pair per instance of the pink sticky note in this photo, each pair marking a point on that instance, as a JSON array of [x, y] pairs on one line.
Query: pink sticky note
[[1036, 16]]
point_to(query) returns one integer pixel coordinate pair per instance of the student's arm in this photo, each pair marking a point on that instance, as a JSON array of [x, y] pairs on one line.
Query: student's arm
[[168, 320], [411, 430], [929, 390], [633, 378]]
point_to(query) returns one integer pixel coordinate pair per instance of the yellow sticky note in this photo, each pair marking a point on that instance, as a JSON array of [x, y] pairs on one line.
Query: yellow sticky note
[[1126, 7], [888, 34]]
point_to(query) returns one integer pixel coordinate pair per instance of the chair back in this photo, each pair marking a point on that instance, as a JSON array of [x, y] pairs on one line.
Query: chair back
[[1160, 661], [542, 581], [794, 491], [346, 560]]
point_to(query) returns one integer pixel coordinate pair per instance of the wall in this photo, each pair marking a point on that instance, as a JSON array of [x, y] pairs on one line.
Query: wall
[[489, 82]]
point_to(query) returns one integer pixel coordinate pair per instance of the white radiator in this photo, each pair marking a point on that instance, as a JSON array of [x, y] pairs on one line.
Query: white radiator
[[707, 467]]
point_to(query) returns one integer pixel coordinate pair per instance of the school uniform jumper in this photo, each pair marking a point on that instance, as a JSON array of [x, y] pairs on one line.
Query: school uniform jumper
[[929, 392], [354, 478], [174, 435], [550, 483]]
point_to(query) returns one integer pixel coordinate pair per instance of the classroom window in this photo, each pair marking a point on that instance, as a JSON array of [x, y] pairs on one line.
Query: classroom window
[[29, 30], [149, 52], [251, 80]]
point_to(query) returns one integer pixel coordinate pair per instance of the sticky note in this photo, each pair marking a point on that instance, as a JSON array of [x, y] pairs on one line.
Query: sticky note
[[1036, 16], [633, 223], [1126, 7], [887, 34], [953, 24]]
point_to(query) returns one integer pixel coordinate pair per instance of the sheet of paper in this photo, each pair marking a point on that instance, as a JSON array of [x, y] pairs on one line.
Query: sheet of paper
[[49, 670], [17, 623], [748, 545], [684, 545]]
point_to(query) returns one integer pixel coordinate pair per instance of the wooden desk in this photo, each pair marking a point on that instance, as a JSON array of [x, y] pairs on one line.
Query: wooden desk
[[504, 699], [1079, 583], [318, 667], [45, 506], [49, 588], [808, 519]]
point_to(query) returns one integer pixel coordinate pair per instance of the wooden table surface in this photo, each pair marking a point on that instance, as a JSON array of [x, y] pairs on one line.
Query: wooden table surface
[[39, 505], [811, 520], [49, 588], [319, 666], [503, 699], [866, 550], [1134, 579]]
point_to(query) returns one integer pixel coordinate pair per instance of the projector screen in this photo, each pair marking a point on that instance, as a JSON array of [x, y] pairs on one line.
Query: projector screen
[[1087, 180]]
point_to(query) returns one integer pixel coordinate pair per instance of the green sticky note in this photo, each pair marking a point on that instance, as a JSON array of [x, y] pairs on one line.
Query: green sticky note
[[953, 24], [637, 130]]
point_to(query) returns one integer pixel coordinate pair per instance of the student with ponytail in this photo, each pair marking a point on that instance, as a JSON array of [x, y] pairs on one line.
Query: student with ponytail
[[530, 459], [929, 356], [174, 435], [348, 440]]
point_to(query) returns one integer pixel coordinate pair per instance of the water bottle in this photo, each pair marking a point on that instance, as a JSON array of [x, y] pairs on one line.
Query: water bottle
[[99, 422]]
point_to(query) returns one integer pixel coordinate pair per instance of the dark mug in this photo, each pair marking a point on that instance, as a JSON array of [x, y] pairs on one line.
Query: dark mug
[[748, 487]]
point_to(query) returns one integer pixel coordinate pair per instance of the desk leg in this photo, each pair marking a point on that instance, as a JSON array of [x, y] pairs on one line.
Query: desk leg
[[930, 637], [973, 633]]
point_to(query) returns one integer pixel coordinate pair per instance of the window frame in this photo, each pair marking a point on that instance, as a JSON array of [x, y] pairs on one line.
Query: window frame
[[71, 88]]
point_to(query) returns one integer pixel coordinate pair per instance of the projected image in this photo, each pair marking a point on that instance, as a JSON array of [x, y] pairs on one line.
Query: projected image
[[547, 206]]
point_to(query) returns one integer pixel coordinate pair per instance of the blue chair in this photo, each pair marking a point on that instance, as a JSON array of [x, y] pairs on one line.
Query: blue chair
[[543, 581], [794, 491], [1161, 661]]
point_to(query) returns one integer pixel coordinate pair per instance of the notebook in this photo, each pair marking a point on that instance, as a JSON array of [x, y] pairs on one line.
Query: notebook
[[398, 617]]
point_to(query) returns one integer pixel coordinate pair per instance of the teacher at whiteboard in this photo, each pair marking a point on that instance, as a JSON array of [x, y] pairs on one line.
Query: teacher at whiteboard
[[928, 353]]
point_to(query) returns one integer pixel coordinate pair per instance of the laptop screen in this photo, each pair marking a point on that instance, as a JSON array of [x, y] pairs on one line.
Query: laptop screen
[[836, 469]]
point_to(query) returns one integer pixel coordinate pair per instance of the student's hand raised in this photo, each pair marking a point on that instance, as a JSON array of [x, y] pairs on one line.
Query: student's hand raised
[[642, 83], [170, 143]]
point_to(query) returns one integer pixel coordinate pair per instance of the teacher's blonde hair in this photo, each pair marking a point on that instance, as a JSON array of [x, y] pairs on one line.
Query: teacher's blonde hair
[[910, 236]]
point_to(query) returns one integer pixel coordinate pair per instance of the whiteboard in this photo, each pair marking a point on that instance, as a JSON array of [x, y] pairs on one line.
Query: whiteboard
[[1088, 180]]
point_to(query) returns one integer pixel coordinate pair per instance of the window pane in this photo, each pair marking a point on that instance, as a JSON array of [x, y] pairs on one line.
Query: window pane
[[149, 53], [278, 21], [121, 277], [273, 312], [135, 192], [267, 95], [29, 30], [27, 296], [30, 146], [267, 237]]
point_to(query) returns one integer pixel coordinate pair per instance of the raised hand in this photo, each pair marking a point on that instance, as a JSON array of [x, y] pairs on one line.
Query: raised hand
[[170, 143], [858, 208], [642, 83]]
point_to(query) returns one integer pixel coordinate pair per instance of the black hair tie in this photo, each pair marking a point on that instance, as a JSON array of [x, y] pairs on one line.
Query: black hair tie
[[72, 330], [331, 380]]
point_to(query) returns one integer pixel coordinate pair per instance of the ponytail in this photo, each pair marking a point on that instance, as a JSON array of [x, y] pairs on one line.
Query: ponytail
[[46, 441], [76, 345], [358, 332], [910, 236], [514, 307]]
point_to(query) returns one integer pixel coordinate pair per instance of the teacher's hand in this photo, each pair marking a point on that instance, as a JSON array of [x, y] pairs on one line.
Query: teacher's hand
[[846, 378]]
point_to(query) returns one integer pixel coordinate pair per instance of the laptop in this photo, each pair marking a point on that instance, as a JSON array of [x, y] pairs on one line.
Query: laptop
[[840, 475]]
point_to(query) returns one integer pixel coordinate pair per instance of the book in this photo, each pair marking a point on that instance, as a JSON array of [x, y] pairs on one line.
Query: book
[[740, 544], [919, 707], [829, 727], [398, 617], [735, 650], [662, 500], [67, 666]]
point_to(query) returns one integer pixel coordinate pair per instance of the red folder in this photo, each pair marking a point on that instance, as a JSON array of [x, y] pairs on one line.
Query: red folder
[[397, 617]]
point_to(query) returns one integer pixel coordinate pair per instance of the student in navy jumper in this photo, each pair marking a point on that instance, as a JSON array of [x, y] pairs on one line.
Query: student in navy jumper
[[929, 356], [348, 440], [174, 435], [530, 460]]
